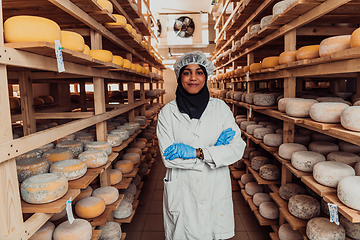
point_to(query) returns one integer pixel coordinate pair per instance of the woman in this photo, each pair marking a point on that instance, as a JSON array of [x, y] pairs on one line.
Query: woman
[[198, 138]]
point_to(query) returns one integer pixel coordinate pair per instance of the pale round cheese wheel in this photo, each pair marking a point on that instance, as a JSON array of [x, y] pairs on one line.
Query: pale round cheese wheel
[[246, 178], [348, 191], [124, 210], [343, 157], [357, 169], [115, 176], [75, 146], [71, 169], [287, 233], [84, 193], [286, 150], [43, 188], [134, 157], [270, 62], [264, 100], [259, 198], [36, 153], [127, 63], [86, 50], [315, 136], [251, 188], [249, 97], [244, 124], [136, 180], [134, 150], [273, 139], [308, 52], [46, 147], [58, 216], [111, 231], [331, 45], [327, 112], [265, 21], [14, 102], [118, 60], [120, 20], [125, 166], [302, 139], [90, 207], [304, 206], [350, 118], [254, 29], [355, 39], [259, 133], [80, 229], [352, 230], [94, 158], [85, 137], [124, 134], [31, 29], [138, 144], [128, 197], [287, 57], [288, 190], [299, 107], [72, 41], [99, 145], [269, 210], [306, 160], [239, 164], [348, 147], [258, 161], [67, 137], [105, 4], [102, 55], [247, 151], [250, 129], [114, 140], [44, 233], [108, 193], [329, 173], [29, 167], [321, 228], [323, 147], [270, 172], [255, 67]]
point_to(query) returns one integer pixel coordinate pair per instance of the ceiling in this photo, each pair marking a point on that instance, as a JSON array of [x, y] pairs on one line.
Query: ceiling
[[179, 6]]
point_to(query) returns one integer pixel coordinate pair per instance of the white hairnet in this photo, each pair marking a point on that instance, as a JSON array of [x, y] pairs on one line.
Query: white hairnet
[[195, 57]]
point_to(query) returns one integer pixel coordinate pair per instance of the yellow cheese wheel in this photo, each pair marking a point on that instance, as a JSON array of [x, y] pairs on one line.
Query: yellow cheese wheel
[[138, 37], [308, 52], [38, 102], [246, 69], [72, 41], [94, 158], [255, 67], [118, 60], [86, 50], [43, 188], [133, 32], [115, 176], [355, 39], [80, 229], [102, 55], [270, 62], [120, 20], [75, 146], [84, 193], [57, 154], [29, 167], [71, 169], [45, 232], [133, 67], [108, 193], [287, 57], [14, 102], [147, 71], [125, 166], [90, 207], [129, 28], [105, 4], [47, 99], [138, 68], [31, 29], [99, 145], [127, 64], [331, 45]]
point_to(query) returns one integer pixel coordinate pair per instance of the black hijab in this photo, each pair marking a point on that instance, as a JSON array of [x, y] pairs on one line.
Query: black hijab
[[192, 104]]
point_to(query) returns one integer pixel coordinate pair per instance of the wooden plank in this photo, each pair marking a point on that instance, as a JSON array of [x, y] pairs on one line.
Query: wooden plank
[[123, 236], [116, 204], [96, 234], [263, 221], [295, 223], [319, 125], [129, 219], [27, 103], [245, 195], [124, 184], [137, 194], [297, 173], [252, 206], [64, 115], [236, 174], [282, 160], [260, 180], [101, 169], [321, 190], [132, 174], [255, 140], [113, 156], [344, 134], [274, 188], [351, 214], [278, 200], [268, 148], [100, 220], [242, 186], [84, 181]]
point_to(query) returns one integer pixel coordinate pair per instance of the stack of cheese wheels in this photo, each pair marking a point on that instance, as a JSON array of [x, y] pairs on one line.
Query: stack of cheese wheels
[[111, 231], [304, 206], [115, 176], [270, 172], [329, 173], [323, 147], [86, 50], [348, 191], [99, 145], [269, 210], [251, 188], [102, 55], [327, 112], [321, 228], [71, 169], [72, 41], [352, 230], [270, 62], [105, 4], [350, 118], [109, 194], [343, 157], [286, 150], [67, 137], [308, 52], [306, 160], [46, 147], [114, 140], [124, 210], [246, 178], [259, 198], [31, 29], [29, 167], [94, 158], [85, 137], [57, 154], [299, 107], [43, 188], [45, 232], [273, 139], [84, 193], [125, 166], [287, 57], [287, 233], [75, 146], [120, 20], [90, 207], [80, 229], [334, 44], [36, 153], [288, 190], [264, 100], [124, 134]]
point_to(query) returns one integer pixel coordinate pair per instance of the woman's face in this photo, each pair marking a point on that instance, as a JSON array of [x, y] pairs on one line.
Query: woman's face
[[193, 78]]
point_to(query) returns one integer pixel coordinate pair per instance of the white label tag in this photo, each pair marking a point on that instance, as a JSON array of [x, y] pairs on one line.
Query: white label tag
[[69, 211], [334, 216], [247, 76], [250, 111], [59, 57]]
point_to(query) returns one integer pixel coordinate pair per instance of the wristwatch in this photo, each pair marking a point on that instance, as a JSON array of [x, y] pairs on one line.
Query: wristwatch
[[201, 157]]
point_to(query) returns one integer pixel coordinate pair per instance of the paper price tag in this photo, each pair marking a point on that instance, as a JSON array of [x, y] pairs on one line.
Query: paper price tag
[[250, 112], [247, 76], [69, 211], [334, 216], [59, 57]]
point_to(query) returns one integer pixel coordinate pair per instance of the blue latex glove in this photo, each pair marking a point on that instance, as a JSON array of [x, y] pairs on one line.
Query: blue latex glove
[[225, 137], [179, 150]]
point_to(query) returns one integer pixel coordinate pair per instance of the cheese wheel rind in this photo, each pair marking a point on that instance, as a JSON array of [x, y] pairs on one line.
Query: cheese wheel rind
[[80, 229], [111, 231], [102, 55], [329, 173], [269, 210], [108, 193], [343, 157], [308, 52], [75, 146], [287, 233], [90, 207], [304, 206], [45, 232], [321, 228], [125, 166], [327, 112], [352, 230], [29, 167], [124, 210], [94, 158], [72, 41], [299, 107], [286, 150], [270, 62], [306, 160], [350, 118], [348, 191], [99, 145], [251, 188], [71, 169], [334, 44], [355, 39], [287, 57], [288, 190], [259, 198]]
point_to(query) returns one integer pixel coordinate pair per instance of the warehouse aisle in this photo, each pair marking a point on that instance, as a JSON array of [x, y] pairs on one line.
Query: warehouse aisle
[[147, 223]]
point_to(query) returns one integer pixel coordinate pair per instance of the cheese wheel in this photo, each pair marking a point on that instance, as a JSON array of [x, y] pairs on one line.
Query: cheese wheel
[[323, 147], [133, 67], [68, 137], [299, 107], [85, 137], [128, 197], [244, 124], [29, 167], [14, 102], [131, 189], [259, 198], [246, 69], [250, 129], [120, 20], [109, 194], [270, 62], [136, 180], [124, 210], [143, 168], [329, 173], [327, 112], [269, 210], [343, 157], [94, 158], [38, 102], [118, 60], [306, 160], [75, 146], [57, 154], [286, 150], [348, 191], [255, 67], [44, 233], [124, 134], [105, 4], [47, 99], [247, 151], [254, 29], [251, 188], [71, 169], [258, 161], [239, 164], [350, 118], [302, 139], [125, 166], [331, 45], [36, 153], [134, 157], [321, 228], [270, 172], [304, 206], [264, 100], [308, 52], [348, 147], [352, 230], [287, 233], [102, 55], [31, 29], [287, 57], [259, 133], [288, 190], [80, 229], [246, 178], [142, 139], [90, 207], [43, 188], [355, 39], [127, 63], [134, 150], [86, 49], [46, 147], [138, 144], [84, 193], [280, 7], [115, 176], [265, 21], [282, 104], [58, 216], [273, 139], [72, 41], [99, 145], [111, 231], [114, 140]]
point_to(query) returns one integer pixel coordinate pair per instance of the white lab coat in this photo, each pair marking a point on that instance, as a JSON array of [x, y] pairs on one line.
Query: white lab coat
[[197, 193]]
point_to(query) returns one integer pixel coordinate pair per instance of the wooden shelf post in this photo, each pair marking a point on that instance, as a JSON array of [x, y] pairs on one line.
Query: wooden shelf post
[[27, 103], [82, 96], [142, 97], [130, 86]]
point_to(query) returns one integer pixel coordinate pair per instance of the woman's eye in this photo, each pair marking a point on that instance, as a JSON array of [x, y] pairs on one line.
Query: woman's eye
[[186, 73], [199, 73]]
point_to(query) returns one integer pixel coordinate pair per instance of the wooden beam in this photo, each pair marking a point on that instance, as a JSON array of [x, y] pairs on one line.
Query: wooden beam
[[130, 93], [27, 103], [142, 97], [324, 31], [64, 115], [99, 104], [82, 96]]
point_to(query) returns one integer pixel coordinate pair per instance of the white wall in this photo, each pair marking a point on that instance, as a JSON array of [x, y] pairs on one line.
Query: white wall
[[170, 84]]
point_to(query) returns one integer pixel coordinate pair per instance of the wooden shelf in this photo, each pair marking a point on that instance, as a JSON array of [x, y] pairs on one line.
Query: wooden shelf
[[84, 181], [123, 236], [136, 197], [260, 180], [274, 188], [321, 190], [282, 160], [116, 204], [140, 186], [351, 214], [100, 220], [123, 184], [274, 236], [263, 221], [113, 156], [242, 186], [246, 196], [129, 219], [96, 234], [278, 200], [236, 174], [268, 148], [255, 140], [252, 206], [132, 174], [295, 223], [297, 173], [101, 169]]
